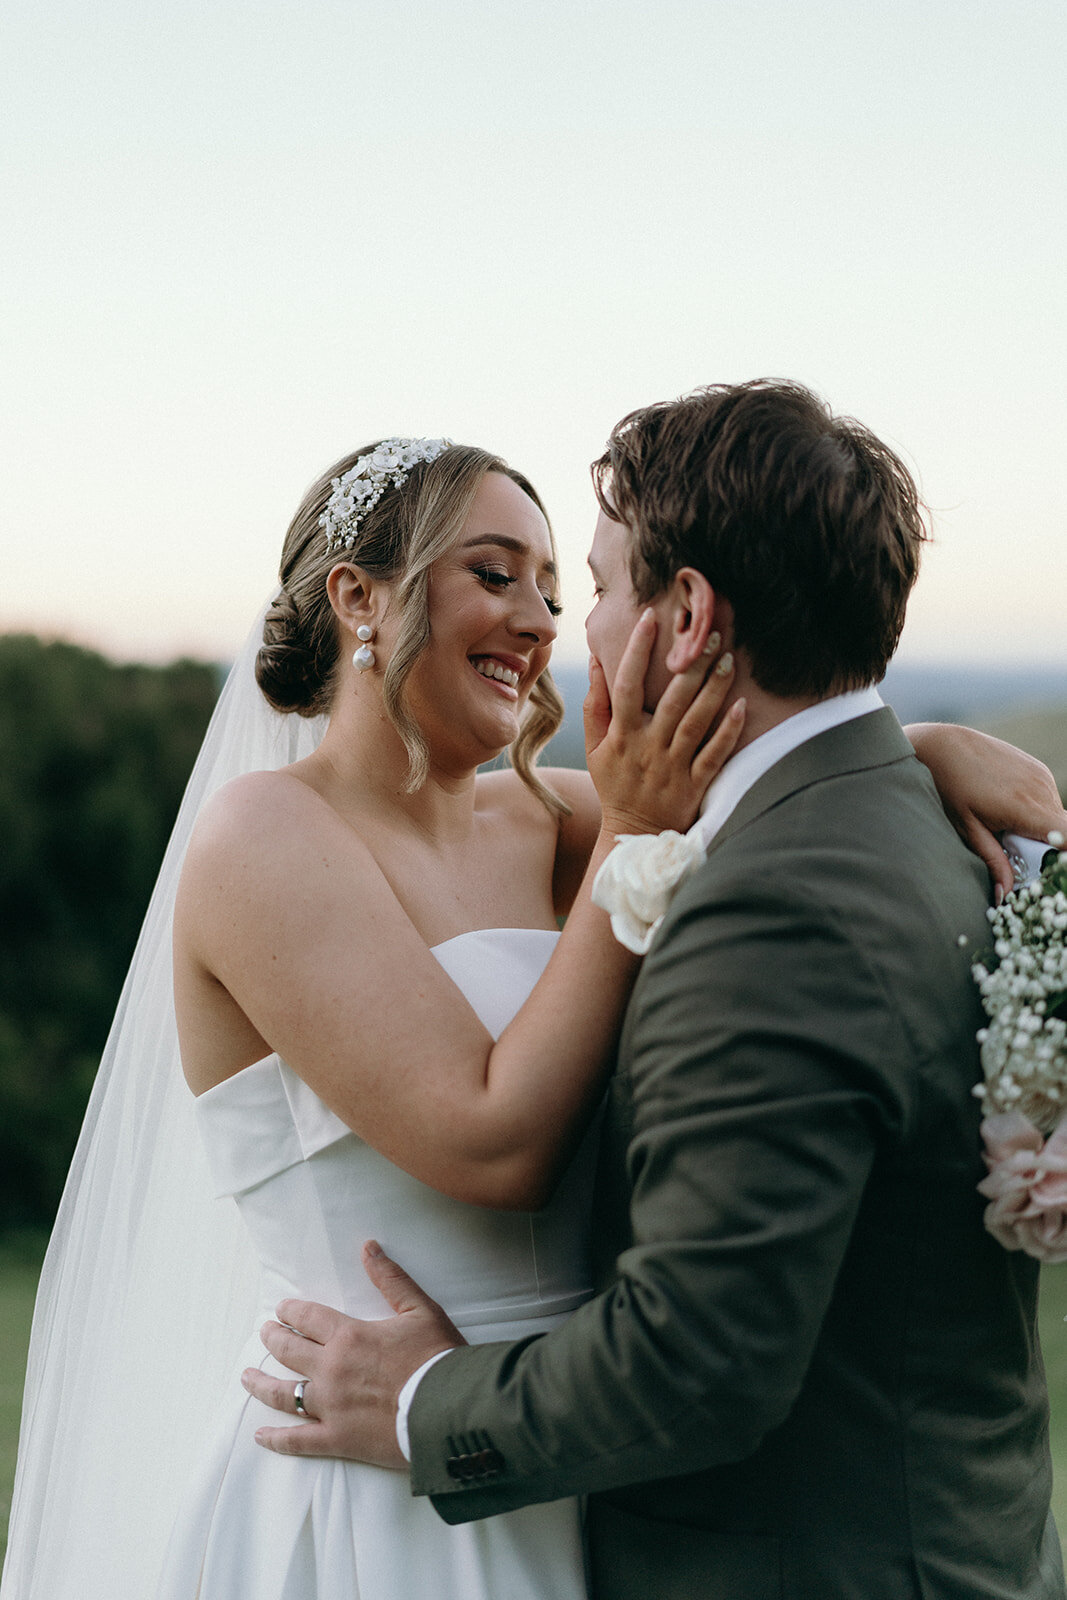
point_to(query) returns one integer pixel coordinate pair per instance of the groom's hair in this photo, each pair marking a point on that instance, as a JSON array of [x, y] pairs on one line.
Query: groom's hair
[[805, 522]]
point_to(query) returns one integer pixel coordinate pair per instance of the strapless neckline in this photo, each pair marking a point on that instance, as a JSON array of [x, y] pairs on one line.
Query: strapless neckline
[[474, 933]]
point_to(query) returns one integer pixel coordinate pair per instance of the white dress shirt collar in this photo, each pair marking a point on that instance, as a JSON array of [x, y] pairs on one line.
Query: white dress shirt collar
[[744, 769]]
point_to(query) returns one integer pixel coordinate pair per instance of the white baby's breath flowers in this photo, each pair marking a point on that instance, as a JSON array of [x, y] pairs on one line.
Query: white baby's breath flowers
[[1024, 1063], [638, 881], [358, 490], [1024, 995]]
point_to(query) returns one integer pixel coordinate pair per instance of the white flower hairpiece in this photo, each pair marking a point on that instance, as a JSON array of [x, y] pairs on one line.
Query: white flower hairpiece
[[359, 489], [638, 880]]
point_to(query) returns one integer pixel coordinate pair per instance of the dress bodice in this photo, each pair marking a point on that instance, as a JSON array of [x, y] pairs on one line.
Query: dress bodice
[[254, 1525], [311, 1192]]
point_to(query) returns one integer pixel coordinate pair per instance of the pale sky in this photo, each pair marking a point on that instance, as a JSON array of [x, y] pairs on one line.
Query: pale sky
[[242, 239]]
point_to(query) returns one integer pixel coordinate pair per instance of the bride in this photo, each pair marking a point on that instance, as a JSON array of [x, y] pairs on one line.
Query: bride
[[384, 1035]]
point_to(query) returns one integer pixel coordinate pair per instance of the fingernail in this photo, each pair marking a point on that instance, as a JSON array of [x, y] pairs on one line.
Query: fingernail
[[725, 665], [647, 614], [737, 710], [998, 894], [246, 1379], [714, 641], [373, 1248]]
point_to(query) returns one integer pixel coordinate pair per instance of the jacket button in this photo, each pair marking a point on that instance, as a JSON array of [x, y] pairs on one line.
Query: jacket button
[[488, 1464], [476, 1466]]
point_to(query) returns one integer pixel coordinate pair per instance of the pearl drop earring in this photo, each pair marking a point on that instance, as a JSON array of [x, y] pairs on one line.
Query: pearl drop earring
[[364, 656]]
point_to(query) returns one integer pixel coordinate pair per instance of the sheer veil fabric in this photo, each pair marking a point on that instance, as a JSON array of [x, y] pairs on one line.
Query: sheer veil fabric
[[149, 1286]]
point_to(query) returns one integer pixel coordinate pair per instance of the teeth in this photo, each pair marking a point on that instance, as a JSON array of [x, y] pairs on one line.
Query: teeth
[[493, 669]]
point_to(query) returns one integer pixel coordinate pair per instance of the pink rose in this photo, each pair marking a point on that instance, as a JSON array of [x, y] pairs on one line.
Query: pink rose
[[1027, 1185]]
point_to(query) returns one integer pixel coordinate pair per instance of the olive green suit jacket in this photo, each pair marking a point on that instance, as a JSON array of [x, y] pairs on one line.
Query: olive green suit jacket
[[811, 1372]]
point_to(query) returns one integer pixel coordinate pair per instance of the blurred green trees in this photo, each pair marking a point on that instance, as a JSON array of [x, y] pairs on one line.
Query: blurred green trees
[[94, 757]]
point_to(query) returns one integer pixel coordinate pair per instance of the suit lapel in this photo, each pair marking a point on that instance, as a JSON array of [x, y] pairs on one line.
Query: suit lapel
[[874, 740]]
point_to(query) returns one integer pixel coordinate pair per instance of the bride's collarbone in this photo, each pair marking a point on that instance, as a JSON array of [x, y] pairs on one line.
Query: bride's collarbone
[[452, 873], [480, 883], [491, 839], [447, 898]]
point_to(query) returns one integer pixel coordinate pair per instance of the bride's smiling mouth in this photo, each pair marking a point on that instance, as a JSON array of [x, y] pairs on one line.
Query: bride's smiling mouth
[[497, 672]]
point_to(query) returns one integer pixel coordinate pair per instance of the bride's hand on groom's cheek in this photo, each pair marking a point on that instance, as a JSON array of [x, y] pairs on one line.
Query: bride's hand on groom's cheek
[[651, 768], [353, 1371]]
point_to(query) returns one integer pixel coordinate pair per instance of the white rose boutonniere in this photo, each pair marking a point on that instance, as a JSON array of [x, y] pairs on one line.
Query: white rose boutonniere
[[638, 881]]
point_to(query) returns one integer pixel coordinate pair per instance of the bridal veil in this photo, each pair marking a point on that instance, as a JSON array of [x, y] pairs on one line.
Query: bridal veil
[[149, 1288]]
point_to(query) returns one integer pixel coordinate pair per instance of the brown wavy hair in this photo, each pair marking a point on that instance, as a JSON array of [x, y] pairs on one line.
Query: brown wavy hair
[[807, 523], [398, 541]]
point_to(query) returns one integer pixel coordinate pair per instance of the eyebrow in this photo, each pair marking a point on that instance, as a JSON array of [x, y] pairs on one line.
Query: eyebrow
[[505, 541]]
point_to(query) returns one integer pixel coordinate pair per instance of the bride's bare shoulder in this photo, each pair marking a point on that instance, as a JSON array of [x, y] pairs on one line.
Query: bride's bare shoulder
[[265, 816], [269, 852], [254, 801]]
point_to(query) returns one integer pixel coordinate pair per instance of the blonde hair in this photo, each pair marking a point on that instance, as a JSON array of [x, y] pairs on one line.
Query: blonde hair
[[399, 541]]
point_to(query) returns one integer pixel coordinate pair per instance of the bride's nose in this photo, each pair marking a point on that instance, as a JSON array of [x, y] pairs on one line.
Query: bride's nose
[[533, 619]]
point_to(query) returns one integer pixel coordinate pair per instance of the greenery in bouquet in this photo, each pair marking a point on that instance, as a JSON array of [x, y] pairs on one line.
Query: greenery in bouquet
[[1023, 986]]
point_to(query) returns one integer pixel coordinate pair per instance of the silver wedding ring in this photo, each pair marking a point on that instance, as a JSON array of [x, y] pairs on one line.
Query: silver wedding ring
[[298, 1397]]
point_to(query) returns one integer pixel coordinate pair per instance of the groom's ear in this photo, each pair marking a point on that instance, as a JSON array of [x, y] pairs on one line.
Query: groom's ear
[[692, 613]]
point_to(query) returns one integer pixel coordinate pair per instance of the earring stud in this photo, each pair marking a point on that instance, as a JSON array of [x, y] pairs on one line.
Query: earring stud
[[364, 656]]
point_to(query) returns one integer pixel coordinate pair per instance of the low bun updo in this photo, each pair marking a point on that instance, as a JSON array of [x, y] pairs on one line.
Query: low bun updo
[[295, 665], [397, 541]]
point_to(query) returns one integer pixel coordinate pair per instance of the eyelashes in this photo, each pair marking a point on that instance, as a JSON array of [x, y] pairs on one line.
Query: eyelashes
[[495, 579], [492, 578]]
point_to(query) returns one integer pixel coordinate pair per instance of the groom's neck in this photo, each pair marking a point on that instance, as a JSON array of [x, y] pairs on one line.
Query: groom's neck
[[765, 711]]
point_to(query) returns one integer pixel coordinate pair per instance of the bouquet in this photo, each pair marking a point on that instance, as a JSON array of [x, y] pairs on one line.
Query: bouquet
[[1024, 1062]]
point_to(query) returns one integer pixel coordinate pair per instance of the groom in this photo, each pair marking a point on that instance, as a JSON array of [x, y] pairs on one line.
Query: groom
[[811, 1372]]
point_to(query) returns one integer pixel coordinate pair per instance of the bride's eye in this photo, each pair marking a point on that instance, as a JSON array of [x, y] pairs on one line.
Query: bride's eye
[[494, 577], [498, 579]]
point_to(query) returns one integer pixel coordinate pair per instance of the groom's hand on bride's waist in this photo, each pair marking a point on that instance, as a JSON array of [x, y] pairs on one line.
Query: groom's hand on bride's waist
[[352, 1371]]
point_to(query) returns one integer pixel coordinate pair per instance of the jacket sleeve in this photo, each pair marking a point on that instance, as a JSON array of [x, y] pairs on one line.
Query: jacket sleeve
[[763, 1065]]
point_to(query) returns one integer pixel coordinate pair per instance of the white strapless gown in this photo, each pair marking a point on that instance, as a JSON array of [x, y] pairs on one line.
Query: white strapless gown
[[257, 1526]]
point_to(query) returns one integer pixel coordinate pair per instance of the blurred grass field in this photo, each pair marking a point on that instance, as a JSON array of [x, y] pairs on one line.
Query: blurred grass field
[[19, 1264]]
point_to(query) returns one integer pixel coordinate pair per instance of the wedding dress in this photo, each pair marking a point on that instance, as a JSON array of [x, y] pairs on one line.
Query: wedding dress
[[257, 1526]]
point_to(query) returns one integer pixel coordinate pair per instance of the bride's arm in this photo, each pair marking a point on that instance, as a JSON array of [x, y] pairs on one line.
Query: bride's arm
[[283, 905], [988, 787]]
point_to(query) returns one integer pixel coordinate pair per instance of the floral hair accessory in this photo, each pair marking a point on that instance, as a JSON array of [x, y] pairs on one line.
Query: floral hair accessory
[[359, 489], [1024, 1061], [638, 881]]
